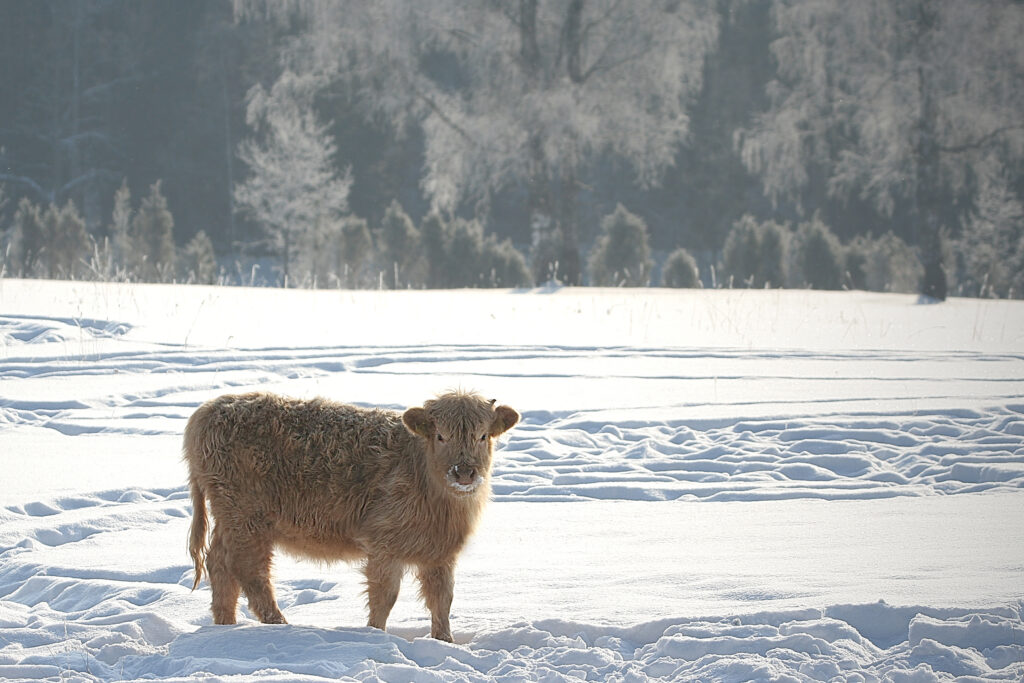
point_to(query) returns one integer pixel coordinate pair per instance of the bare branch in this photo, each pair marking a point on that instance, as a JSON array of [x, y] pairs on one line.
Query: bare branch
[[602, 65], [26, 181], [601, 19], [980, 142], [447, 120]]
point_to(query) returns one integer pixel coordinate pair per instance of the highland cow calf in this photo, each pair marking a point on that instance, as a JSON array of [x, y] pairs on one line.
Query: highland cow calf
[[335, 482]]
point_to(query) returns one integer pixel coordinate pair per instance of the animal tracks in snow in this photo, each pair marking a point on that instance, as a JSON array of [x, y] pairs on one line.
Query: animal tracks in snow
[[743, 408], [645, 423], [842, 457]]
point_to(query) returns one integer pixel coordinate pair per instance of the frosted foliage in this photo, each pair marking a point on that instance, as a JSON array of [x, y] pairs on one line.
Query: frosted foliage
[[992, 243], [850, 90], [498, 111], [292, 183]]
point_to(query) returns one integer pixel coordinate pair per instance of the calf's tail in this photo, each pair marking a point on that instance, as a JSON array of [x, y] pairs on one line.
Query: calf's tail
[[197, 433], [197, 535]]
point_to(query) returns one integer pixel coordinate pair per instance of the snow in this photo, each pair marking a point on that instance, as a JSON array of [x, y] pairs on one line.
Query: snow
[[713, 485]]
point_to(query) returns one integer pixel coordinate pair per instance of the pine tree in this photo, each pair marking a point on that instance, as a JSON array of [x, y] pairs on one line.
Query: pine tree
[[354, 248], [399, 242], [27, 240], [818, 256], [755, 254], [199, 262], [680, 270], [741, 255], [50, 243], [435, 235], [465, 250], [503, 265], [126, 255], [68, 241], [621, 256], [774, 241], [153, 237], [317, 260]]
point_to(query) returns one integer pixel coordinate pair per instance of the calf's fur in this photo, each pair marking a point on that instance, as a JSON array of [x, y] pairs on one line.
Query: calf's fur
[[332, 481]]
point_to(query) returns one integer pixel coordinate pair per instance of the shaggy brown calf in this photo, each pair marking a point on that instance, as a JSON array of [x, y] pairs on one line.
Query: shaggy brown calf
[[335, 482]]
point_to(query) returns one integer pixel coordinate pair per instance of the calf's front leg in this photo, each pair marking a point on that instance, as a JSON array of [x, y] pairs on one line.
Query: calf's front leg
[[437, 586]]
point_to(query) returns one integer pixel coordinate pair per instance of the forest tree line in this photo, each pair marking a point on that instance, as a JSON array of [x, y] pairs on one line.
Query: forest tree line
[[515, 142]]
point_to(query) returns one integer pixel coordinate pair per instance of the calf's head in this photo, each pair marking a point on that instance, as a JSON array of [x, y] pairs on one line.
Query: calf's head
[[458, 430]]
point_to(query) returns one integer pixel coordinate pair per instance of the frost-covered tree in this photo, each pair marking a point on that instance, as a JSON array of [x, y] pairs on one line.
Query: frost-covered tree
[[293, 181], [198, 261], [991, 247], [123, 251], [882, 264], [50, 242], [900, 102], [516, 92]]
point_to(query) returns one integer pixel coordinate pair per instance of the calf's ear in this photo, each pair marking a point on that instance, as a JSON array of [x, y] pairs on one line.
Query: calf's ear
[[417, 421], [504, 419]]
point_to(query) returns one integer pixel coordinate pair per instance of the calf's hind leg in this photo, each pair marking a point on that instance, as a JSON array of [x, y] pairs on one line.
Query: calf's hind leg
[[250, 565], [238, 563], [223, 585]]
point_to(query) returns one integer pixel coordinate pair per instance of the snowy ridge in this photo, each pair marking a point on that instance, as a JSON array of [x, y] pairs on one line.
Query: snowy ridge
[[705, 485]]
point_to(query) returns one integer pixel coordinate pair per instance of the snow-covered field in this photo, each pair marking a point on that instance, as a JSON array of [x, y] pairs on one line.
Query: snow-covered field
[[712, 485]]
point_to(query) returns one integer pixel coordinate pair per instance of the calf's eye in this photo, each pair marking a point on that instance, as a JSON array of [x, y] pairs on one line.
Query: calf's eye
[[440, 438]]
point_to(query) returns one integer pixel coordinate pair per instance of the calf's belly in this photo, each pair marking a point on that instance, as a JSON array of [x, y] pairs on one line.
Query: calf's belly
[[329, 550]]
